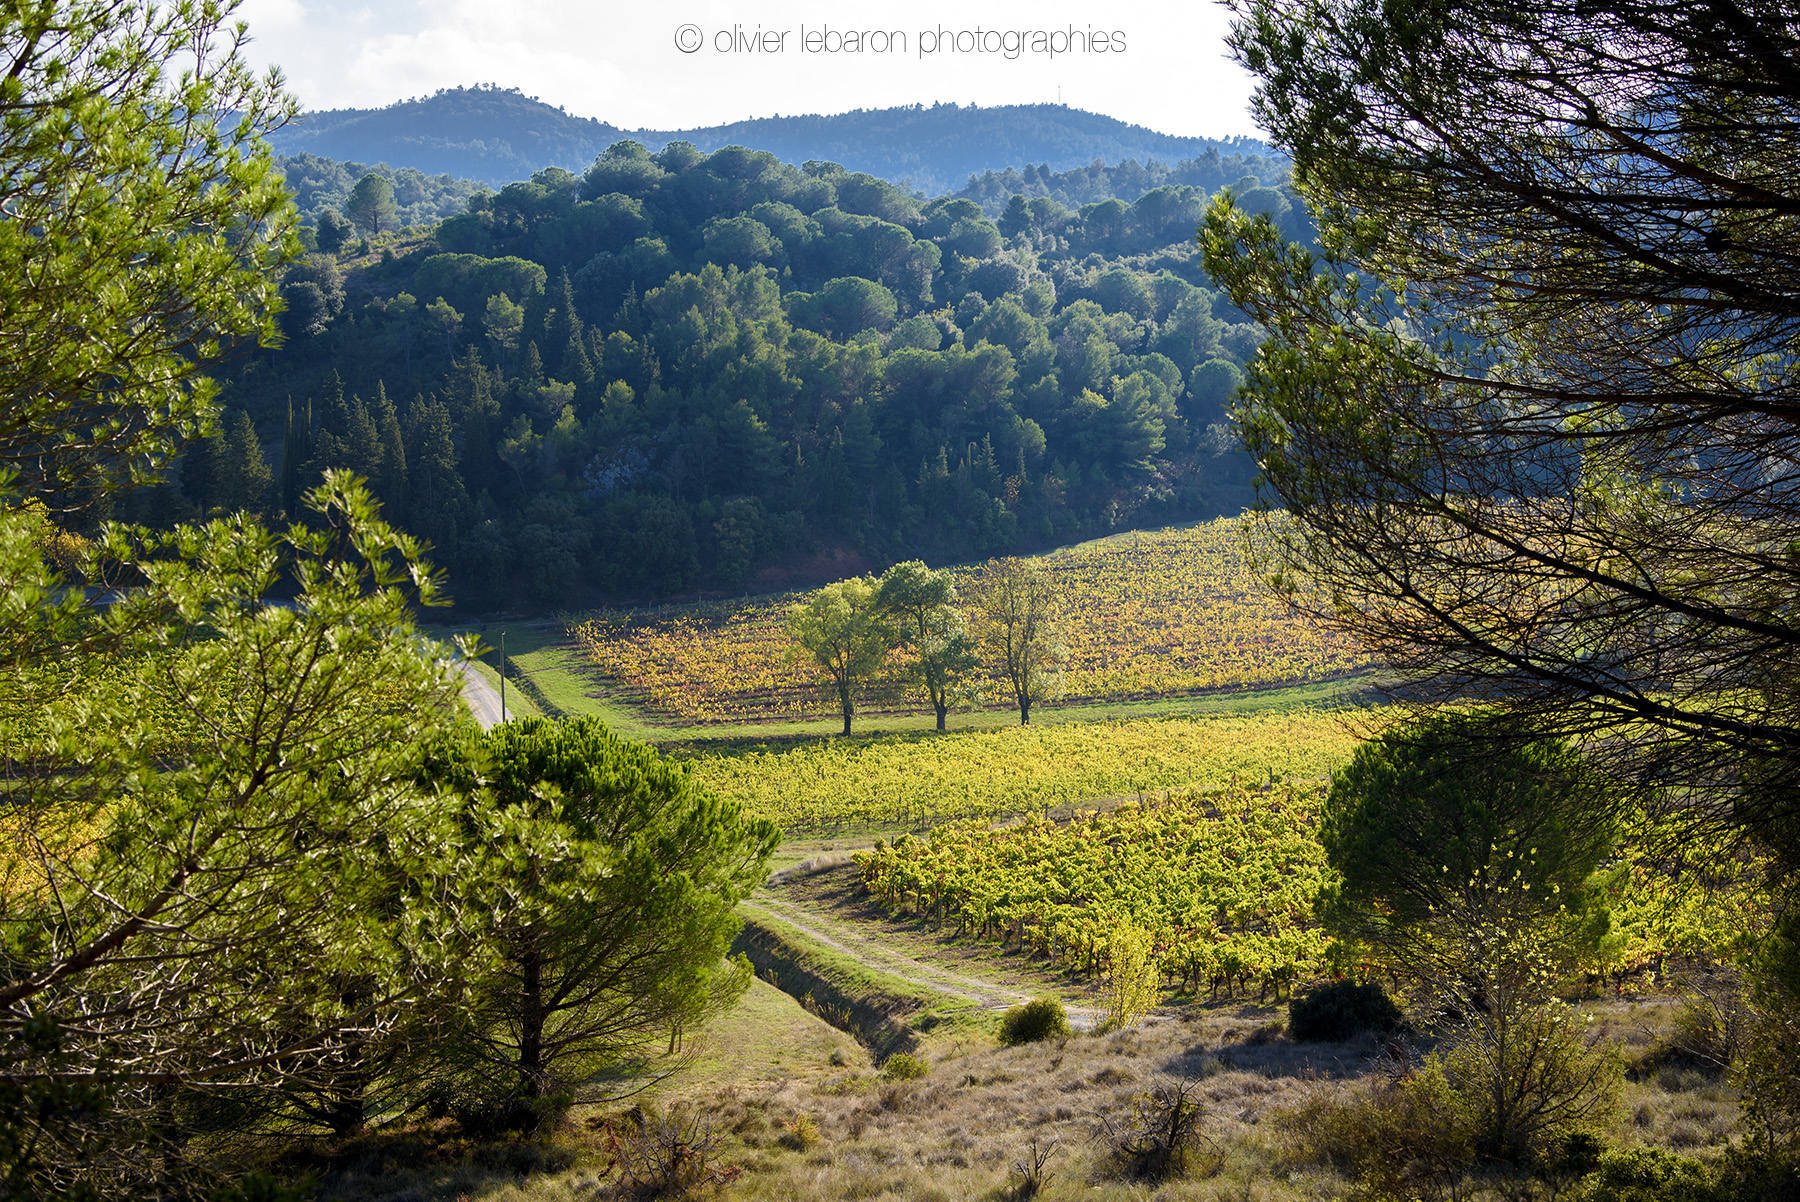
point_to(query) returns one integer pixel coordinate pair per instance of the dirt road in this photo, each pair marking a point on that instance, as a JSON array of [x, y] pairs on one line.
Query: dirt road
[[844, 938]]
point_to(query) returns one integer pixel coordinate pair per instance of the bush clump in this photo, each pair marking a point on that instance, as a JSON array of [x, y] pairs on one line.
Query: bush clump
[[1036, 1020], [1647, 1175], [1339, 1011], [904, 1066], [800, 1132]]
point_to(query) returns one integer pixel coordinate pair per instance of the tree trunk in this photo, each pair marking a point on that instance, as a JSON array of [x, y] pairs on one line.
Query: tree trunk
[[531, 1024], [348, 1095], [941, 711]]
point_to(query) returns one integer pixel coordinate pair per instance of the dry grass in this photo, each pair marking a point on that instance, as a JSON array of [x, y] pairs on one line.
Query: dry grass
[[958, 1132]]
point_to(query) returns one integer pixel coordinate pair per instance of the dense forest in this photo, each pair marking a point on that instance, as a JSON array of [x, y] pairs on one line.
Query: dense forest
[[497, 135], [319, 183], [677, 370]]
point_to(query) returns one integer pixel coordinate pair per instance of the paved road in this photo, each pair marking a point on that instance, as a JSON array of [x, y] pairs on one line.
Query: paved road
[[483, 698]]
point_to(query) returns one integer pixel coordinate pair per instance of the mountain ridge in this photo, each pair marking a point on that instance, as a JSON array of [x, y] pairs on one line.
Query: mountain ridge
[[500, 135]]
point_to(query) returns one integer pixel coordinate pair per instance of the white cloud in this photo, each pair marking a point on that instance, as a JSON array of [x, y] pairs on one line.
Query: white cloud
[[620, 62]]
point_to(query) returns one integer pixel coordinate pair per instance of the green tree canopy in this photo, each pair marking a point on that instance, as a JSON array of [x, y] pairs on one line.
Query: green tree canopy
[[121, 278], [611, 879], [1453, 798], [334, 231], [370, 205], [204, 796], [841, 630], [929, 624], [1531, 410]]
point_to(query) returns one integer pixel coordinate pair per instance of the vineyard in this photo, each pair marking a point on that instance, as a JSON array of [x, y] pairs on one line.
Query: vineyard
[[1224, 882], [980, 774], [1153, 614]]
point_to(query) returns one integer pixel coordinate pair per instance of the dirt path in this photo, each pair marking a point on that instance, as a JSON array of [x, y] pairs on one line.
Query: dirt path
[[846, 940]]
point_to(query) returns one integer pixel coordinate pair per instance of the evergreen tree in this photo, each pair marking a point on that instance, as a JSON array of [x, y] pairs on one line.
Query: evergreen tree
[[296, 453], [244, 472], [612, 908], [469, 395], [562, 327], [391, 484], [361, 443], [437, 502], [371, 205]]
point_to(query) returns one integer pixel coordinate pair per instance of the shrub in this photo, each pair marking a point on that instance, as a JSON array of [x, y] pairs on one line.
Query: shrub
[[1712, 1025], [1528, 1083], [1339, 1011], [1162, 1136], [904, 1066], [1033, 1170], [1749, 1174], [1131, 977], [1646, 1175], [1410, 1139], [801, 1132], [666, 1155], [1036, 1020], [1514, 1109]]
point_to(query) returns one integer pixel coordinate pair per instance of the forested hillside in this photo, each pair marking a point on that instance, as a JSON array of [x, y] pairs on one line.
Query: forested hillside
[[320, 183], [499, 135], [677, 370]]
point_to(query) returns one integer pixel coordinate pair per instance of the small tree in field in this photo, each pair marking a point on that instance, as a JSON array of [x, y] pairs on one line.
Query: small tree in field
[[371, 205], [1018, 610], [1131, 975], [923, 605], [840, 630]]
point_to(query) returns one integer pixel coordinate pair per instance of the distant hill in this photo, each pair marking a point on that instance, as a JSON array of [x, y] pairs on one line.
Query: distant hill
[[500, 135]]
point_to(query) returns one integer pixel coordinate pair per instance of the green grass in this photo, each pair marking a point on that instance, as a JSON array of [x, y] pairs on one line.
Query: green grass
[[933, 1017], [766, 1036], [1351, 691]]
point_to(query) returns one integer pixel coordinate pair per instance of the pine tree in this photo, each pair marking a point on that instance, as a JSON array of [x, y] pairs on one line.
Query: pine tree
[[362, 440], [576, 367], [563, 329], [437, 498], [531, 369], [334, 410], [242, 473], [469, 397]]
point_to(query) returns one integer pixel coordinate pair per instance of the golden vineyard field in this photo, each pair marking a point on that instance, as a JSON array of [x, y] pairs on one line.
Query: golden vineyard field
[[923, 779], [1154, 614]]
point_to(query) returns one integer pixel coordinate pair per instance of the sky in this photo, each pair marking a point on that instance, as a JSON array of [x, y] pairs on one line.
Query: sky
[[690, 63]]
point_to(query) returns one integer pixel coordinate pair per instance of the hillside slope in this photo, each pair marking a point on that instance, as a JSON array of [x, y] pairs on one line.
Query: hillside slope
[[499, 136]]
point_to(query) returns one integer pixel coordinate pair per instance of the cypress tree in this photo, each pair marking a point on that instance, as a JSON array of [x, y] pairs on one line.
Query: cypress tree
[[391, 484], [563, 330], [362, 439], [296, 452]]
